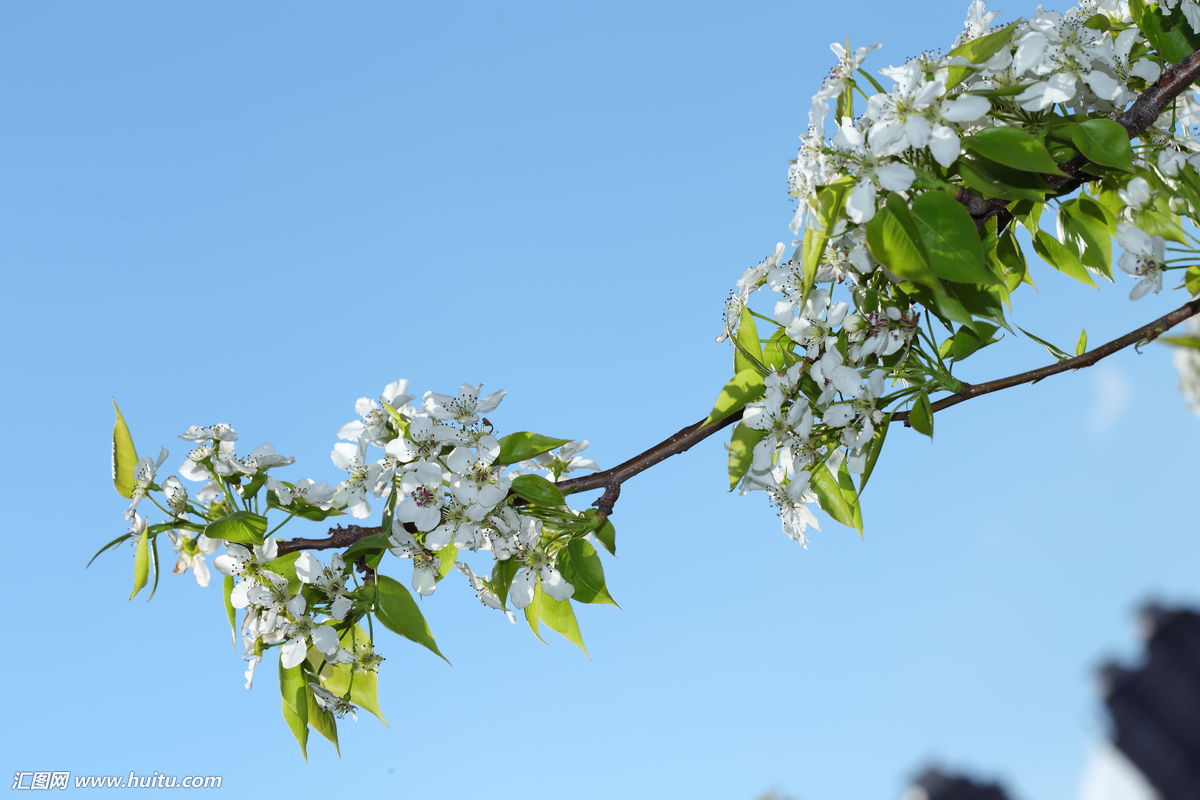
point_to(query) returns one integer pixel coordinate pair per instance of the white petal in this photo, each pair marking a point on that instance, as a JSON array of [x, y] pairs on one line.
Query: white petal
[[325, 639], [965, 108], [308, 568], [520, 592], [860, 204], [944, 145], [895, 177], [293, 652], [554, 585]]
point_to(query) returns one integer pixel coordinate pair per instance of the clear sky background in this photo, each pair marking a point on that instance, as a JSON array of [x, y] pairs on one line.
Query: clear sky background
[[256, 213]]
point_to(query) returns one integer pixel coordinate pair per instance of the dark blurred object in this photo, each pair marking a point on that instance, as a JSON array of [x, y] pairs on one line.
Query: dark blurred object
[[935, 785], [1155, 709]]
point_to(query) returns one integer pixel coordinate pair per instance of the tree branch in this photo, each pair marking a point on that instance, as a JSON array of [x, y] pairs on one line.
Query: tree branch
[[1137, 119], [1146, 333]]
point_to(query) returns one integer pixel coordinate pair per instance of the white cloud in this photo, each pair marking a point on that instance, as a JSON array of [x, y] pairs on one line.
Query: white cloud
[[1111, 395]]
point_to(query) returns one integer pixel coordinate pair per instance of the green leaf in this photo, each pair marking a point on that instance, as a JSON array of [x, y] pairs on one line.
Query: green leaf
[[108, 546], [523, 445], [921, 415], [1104, 142], [364, 689], [366, 546], [875, 448], [831, 498], [294, 688], [1192, 342], [741, 451], [996, 180], [124, 456], [895, 241], [1085, 220], [606, 535], [777, 352], [230, 611], [744, 387], [1169, 34], [1191, 280], [831, 204], [503, 573], [141, 563], [747, 349], [580, 564], [538, 490], [240, 527], [395, 608], [558, 616], [322, 721], [977, 51], [951, 239], [1054, 351], [285, 566], [447, 558], [1013, 148], [966, 340], [1098, 22], [1061, 257], [1081, 345]]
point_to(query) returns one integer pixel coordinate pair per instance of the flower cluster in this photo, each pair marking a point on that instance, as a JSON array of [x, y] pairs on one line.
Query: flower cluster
[[437, 474], [1007, 106]]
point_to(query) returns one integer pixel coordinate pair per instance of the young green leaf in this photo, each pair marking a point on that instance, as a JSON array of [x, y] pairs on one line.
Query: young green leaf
[[1081, 345], [124, 456], [1013, 148], [977, 51], [951, 239], [558, 616], [241, 527], [606, 535], [747, 349], [895, 241], [293, 687], [744, 387], [1104, 142], [230, 611], [1054, 351], [921, 415], [398, 612], [1061, 257], [523, 445], [831, 498], [538, 490], [741, 451], [580, 565], [363, 684], [141, 563]]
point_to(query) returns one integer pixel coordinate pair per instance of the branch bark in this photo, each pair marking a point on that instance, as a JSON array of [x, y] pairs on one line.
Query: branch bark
[[1137, 119]]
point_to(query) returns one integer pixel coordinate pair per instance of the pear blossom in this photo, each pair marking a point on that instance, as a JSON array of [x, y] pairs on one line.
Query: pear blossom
[[466, 407], [421, 496], [539, 568], [425, 562], [328, 701], [303, 629], [1143, 258], [192, 551]]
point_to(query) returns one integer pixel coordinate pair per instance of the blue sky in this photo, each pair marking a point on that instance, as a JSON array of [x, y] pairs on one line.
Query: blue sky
[[256, 214]]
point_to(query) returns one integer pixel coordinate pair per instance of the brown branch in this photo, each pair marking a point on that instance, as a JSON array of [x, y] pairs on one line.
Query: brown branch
[[1136, 120], [684, 439], [338, 537], [676, 443], [1145, 333]]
